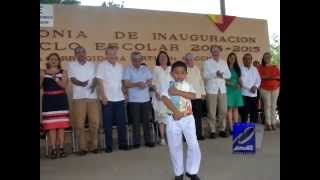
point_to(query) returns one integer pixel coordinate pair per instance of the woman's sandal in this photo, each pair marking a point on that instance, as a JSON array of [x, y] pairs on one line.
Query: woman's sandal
[[62, 154], [53, 154]]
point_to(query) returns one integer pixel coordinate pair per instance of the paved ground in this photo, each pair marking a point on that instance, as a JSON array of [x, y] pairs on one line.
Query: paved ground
[[218, 163]]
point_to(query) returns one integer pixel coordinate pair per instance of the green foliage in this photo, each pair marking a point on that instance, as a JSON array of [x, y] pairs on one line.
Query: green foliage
[[50, 1], [72, 2], [275, 49], [111, 4]]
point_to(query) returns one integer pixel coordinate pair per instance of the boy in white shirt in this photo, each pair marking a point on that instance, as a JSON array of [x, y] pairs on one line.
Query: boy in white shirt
[[176, 95]]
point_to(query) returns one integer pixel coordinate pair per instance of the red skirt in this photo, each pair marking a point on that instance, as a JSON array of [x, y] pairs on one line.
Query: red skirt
[[56, 120]]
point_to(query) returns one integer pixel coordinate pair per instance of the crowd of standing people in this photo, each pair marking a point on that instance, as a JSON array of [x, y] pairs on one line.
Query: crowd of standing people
[[128, 95]]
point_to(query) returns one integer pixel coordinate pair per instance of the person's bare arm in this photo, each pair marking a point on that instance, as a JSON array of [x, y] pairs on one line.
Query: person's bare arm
[[94, 84], [267, 77], [175, 92], [277, 77], [187, 95], [42, 74], [129, 84], [167, 102], [149, 83], [102, 96], [125, 91], [64, 80], [79, 83], [240, 83]]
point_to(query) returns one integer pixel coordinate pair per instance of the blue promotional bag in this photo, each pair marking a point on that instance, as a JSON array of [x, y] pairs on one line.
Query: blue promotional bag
[[243, 137]]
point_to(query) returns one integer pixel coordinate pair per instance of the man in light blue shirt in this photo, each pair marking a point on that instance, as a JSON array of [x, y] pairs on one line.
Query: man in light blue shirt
[[137, 79]]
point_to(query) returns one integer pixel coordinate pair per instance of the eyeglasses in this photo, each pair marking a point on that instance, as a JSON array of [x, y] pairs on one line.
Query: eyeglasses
[[137, 58]]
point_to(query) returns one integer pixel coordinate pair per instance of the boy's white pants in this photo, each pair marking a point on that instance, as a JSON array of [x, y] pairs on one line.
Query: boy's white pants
[[185, 125]]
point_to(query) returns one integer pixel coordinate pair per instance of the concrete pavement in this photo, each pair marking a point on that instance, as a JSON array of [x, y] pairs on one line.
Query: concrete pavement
[[218, 163]]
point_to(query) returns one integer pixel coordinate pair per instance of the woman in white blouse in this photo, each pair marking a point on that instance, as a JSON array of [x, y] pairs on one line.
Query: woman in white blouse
[[160, 74]]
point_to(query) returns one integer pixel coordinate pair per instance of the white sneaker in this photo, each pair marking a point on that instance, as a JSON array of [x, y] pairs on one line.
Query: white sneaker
[[163, 142]]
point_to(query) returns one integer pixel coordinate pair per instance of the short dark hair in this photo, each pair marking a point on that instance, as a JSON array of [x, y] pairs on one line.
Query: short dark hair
[[135, 53], [179, 64], [58, 57], [158, 57], [110, 47], [246, 54], [263, 62], [216, 46], [78, 48]]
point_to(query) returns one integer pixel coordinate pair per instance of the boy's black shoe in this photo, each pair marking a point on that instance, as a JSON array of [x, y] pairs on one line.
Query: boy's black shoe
[[178, 177], [201, 138], [223, 134], [82, 153], [193, 176], [124, 147], [213, 135]]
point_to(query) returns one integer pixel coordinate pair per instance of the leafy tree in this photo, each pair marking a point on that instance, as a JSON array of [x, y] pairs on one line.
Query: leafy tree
[[72, 2], [111, 4], [275, 49], [50, 1]]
